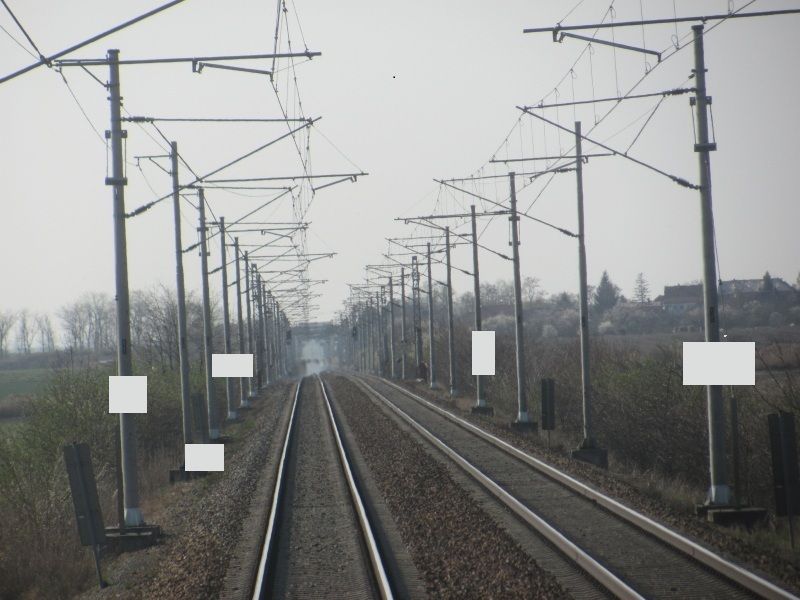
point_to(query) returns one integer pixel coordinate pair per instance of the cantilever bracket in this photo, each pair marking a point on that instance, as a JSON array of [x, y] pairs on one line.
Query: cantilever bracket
[[558, 36]]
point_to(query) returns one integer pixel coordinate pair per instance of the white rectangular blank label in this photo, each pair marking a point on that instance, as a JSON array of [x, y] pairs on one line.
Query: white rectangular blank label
[[719, 363], [231, 365], [483, 352], [204, 457], [127, 394]]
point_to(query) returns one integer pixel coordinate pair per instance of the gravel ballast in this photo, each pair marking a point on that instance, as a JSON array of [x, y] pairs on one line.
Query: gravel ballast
[[459, 551], [766, 562]]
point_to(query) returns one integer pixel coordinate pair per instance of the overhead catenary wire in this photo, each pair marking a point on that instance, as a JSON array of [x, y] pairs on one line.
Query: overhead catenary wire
[[17, 42], [198, 179]]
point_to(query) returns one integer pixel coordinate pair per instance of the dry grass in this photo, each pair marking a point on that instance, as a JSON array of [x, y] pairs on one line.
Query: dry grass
[[13, 407]]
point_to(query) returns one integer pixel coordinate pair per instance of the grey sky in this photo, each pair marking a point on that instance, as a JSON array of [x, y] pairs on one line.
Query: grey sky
[[408, 91]]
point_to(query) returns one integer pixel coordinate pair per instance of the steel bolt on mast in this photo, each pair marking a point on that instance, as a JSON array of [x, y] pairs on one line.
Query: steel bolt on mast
[[431, 345], [208, 339], [183, 350], [523, 419], [127, 427], [226, 317], [450, 333], [243, 402]]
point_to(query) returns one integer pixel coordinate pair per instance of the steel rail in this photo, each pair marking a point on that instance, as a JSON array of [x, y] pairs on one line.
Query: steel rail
[[739, 575], [268, 556], [601, 574], [379, 572], [267, 550]]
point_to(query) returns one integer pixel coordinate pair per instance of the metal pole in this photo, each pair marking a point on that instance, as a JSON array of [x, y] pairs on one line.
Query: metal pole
[[243, 403], [274, 338], [208, 340], [271, 344], [371, 330], [586, 387], [226, 316], [183, 351], [393, 369], [127, 427], [275, 341], [282, 340], [360, 339], [275, 348], [367, 337], [431, 350], [719, 491], [266, 332], [450, 337], [250, 345], [522, 400], [403, 323], [259, 333], [381, 345], [737, 484], [417, 316], [480, 397]]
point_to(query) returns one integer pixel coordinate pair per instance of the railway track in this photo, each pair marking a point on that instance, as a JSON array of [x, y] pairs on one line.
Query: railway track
[[625, 552], [318, 542]]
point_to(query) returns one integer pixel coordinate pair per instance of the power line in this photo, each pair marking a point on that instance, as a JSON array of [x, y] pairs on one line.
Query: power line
[[49, 59], [22, 29]]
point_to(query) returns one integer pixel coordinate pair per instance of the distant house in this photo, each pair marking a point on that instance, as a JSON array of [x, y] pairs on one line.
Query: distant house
[[741, 291], [679, 299]]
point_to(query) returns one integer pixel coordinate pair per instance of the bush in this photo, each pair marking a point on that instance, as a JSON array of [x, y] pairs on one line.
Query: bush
[[40, 554]]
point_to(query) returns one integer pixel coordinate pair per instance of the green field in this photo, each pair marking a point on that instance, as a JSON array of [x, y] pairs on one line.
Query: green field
[[16, 385], [22, 382]]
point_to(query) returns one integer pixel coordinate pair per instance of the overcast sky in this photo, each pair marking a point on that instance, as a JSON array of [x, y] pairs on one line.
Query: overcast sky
[[408, 91]]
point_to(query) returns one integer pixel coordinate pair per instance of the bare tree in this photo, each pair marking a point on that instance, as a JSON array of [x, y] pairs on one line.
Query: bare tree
[[154, 327], [89, 322], [7, 319], [75, 323], [25, 333], [530, 289], [44, 329], [100, 316]]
